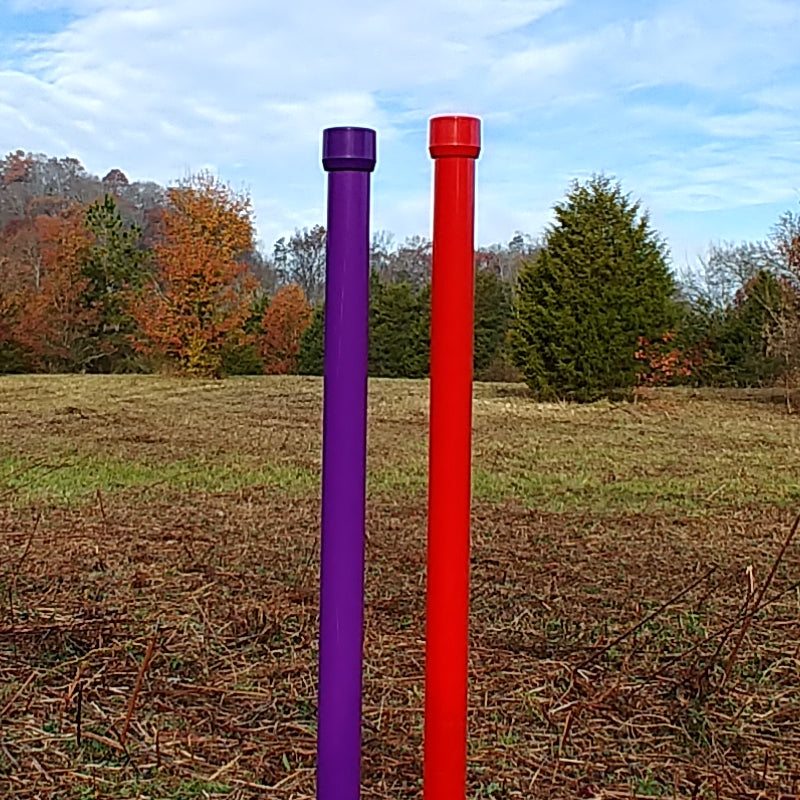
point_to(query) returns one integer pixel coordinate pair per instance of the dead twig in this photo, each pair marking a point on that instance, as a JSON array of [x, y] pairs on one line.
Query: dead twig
[[750, 616], [145, 664], [18, 568], [6, 708], [674, 599]]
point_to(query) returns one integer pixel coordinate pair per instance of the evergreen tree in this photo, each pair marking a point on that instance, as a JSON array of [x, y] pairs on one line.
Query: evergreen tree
[[243, 358], [739, 340], [492, 317], [399, 333], [399, 330], [600, 282], [311, 356], [116, 263]]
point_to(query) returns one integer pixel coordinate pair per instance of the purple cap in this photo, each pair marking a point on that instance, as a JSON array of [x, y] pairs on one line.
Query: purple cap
[[348, 148]]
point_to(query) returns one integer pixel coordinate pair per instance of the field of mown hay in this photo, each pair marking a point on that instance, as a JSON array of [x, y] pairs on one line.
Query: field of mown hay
[[635, 594]]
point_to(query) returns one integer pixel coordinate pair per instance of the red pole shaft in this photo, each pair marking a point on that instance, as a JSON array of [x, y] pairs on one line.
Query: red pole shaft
[[454, 144]]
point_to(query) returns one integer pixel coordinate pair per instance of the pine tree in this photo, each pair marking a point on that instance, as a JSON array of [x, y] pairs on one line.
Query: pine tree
[[242, 357], [399, 330], [600, 282], [738, 336], [399, 333], [492, 317], [311, 355], [116, 264]]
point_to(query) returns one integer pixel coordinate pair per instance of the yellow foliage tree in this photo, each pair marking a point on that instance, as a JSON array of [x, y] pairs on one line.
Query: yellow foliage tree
[[200, 299]]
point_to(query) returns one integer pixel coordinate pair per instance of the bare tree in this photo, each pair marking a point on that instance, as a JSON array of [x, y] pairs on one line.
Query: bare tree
[[380, 254], [301, 260], [505, 261], [783, 334], [263, 268], [726, 270], [786, 238], [411, 261]]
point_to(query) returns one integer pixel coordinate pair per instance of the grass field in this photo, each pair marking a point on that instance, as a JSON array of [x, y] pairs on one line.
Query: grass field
[[635, 604]]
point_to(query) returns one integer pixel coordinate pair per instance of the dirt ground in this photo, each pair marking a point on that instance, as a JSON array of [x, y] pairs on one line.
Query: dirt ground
[[159, 640]]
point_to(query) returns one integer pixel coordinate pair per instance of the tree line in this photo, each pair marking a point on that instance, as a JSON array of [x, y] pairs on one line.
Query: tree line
[[108, 276]]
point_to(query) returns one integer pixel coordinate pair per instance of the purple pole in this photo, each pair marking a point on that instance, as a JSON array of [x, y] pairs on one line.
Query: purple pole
[[348, 154]]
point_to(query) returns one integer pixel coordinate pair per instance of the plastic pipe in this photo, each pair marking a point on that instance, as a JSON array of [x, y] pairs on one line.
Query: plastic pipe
[[454, 145], [348, 155]]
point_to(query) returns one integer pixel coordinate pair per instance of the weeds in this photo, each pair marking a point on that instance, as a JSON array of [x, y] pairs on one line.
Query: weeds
[[635, 633]]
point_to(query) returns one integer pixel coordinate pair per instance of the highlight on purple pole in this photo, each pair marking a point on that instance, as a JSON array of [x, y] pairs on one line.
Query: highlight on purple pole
[[348, 155]]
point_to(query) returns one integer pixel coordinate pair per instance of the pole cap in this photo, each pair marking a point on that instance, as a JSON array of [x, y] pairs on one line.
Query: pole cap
[[349, 149], [455, 135]]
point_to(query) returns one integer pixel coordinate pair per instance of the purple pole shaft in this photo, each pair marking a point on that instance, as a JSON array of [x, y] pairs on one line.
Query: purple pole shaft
[[348, 155]]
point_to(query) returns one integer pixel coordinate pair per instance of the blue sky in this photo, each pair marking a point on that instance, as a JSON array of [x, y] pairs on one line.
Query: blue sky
[[691, 105]]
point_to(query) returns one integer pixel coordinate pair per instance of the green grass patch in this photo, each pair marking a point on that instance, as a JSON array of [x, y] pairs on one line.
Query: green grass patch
[[66, 437], [25, 481]]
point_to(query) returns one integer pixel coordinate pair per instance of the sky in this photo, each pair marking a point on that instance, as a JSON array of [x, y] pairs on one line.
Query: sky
[[691, 104]]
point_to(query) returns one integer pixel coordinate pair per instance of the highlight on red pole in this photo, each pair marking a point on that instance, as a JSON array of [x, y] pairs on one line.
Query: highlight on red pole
[[455, 143]]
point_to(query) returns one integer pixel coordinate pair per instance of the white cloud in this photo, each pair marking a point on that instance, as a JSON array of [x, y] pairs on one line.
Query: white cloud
[[691, 104]]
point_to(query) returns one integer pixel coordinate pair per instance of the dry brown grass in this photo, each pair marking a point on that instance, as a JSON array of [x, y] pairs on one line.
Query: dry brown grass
[[601, 638]]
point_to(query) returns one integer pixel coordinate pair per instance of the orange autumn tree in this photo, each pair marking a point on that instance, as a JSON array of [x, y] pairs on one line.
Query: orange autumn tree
[[199, 301], [285, 319], [55, 322], [20, 278], [8, 313]]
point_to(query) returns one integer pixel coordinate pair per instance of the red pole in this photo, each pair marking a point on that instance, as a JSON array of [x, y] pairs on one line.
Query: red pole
[[455, 145]]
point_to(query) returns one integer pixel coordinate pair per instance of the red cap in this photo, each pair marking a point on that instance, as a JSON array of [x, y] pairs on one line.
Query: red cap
[[455, 136]]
